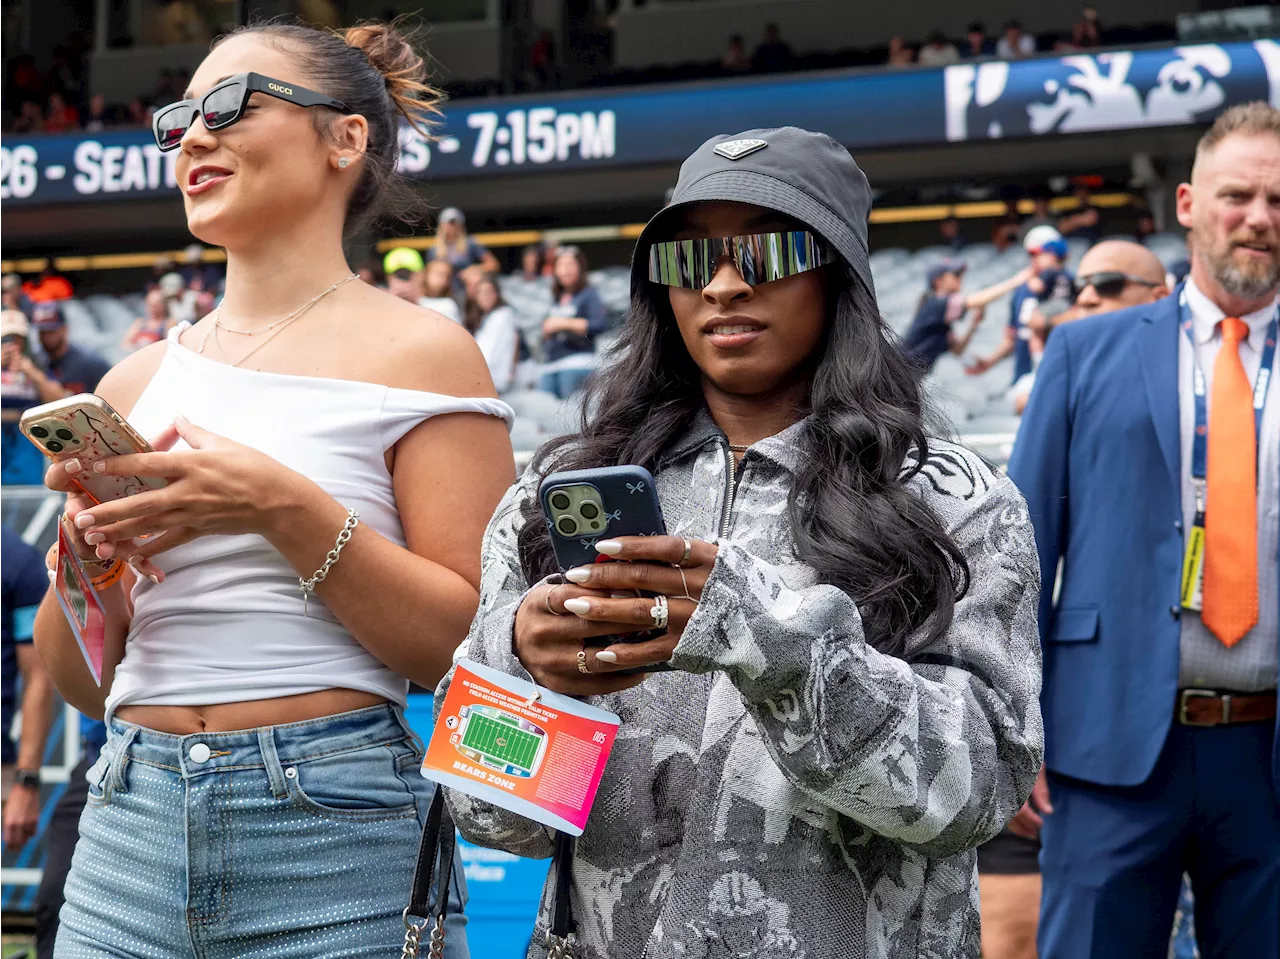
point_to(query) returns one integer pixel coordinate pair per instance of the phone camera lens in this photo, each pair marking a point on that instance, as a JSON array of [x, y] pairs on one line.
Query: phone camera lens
[[39, 432], [63, 434], [54, 446], [560, 500], [567, 525], [589, 510]]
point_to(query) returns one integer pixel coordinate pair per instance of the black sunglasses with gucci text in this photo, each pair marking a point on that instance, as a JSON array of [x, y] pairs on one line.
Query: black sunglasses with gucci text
[[224, 105]]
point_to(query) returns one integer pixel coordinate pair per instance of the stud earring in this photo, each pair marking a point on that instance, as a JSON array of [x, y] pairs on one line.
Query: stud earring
[[343, 163]]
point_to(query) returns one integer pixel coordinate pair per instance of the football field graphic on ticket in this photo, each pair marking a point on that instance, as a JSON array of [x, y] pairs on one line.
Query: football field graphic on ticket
[[496, 738], [519, 746]]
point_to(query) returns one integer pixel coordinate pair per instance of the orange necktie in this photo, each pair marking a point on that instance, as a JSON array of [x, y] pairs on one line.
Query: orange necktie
[[1231, 505]]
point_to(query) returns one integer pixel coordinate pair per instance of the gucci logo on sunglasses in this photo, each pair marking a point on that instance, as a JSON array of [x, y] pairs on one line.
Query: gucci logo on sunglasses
[[1109, 283], [225, 103]]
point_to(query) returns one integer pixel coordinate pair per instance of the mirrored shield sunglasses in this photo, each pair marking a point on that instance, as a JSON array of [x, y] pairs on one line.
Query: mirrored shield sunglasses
[[758, 257]]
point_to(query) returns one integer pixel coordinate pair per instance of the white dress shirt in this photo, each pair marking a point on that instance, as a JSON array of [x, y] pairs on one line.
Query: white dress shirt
[[1249, 665]]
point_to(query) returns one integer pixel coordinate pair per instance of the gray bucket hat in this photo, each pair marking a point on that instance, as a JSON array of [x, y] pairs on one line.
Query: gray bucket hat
[[805, 175]]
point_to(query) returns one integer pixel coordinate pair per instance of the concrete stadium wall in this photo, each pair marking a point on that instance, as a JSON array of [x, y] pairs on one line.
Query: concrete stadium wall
[[462, 52]]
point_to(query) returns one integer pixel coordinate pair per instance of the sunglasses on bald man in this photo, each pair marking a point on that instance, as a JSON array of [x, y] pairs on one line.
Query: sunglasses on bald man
[[1109, 283]]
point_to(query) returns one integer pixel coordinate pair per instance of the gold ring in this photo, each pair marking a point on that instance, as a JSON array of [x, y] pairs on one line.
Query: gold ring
[[582, 661], [546, 600], [688, 552]]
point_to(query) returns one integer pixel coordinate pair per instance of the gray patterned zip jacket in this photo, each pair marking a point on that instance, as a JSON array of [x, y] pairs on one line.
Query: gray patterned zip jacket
[[789, 791]]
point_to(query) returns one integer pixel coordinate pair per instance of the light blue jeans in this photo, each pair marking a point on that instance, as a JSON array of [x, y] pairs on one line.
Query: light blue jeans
[[563, 383], [290, 842]]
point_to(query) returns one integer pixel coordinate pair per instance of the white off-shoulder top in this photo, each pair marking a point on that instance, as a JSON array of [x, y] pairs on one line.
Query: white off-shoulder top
[[227, 623]]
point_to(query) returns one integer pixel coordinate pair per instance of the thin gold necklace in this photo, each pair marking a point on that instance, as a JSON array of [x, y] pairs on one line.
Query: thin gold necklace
[[280, 325], [219, 325]]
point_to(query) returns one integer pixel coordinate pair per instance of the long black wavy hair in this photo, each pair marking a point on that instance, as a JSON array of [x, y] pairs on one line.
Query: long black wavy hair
[[853, 520]]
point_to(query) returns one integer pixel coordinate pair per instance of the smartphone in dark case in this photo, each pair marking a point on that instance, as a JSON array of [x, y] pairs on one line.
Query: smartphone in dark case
[[581, 507]]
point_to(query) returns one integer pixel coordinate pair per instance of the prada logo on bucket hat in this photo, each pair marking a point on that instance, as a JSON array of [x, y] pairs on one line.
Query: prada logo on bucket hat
[[737, 149]]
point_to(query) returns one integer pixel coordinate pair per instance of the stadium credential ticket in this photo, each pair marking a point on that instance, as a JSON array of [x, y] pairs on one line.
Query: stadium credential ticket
[[521, 747]]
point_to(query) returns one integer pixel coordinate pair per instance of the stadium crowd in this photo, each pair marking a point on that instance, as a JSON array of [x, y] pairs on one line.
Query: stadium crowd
[[57, 99], [1153, 798], [540, 328]]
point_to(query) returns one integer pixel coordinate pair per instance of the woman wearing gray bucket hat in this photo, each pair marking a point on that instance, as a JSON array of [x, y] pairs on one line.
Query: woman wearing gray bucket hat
[[844, 702]]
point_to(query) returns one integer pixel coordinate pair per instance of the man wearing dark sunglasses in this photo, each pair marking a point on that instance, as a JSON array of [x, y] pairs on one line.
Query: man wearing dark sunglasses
[[1149, 455], [1115, 274]]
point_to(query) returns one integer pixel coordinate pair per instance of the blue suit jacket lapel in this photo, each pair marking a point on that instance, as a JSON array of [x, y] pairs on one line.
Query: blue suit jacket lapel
[[1156, 339]]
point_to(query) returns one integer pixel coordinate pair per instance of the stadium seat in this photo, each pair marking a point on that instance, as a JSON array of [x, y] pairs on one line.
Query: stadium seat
[[525, 435], [114, 318], [82, 327], [992, 425], [567, 419], [539, 406]]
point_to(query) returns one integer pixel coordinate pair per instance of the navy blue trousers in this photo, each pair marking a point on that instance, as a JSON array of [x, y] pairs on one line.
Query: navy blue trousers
[[1113, 857]]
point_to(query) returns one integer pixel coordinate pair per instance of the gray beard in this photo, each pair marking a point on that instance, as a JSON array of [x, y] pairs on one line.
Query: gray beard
[[1239, 284]]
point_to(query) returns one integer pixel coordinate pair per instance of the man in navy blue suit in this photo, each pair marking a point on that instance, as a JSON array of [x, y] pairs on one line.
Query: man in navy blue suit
[[1149, 456]]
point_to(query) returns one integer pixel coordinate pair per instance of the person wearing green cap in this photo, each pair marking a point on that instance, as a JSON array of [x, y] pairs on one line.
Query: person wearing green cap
[[407, 278]]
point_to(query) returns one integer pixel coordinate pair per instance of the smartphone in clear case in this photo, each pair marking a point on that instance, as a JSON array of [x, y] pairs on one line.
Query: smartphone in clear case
[[85, 427]]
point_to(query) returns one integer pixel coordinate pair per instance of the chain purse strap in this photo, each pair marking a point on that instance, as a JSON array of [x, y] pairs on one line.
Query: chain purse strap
[[560, 939], [438, 843]]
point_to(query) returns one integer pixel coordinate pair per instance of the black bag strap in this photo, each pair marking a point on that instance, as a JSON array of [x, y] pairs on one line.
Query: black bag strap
[[561, 909], [438, 843], [560, 935]]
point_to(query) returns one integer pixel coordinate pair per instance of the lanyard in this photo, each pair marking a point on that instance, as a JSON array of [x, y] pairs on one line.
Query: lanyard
[[1261, 384]]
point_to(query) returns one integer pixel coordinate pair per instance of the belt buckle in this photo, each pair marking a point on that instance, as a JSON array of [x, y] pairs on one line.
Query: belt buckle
[[1189, 694]]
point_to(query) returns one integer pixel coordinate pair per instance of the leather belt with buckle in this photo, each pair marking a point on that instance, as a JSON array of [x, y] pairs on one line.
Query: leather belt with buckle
[[1209, 707]]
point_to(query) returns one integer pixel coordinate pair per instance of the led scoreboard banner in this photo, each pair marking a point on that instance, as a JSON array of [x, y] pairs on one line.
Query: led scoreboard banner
[[662, 124], [499, 740]]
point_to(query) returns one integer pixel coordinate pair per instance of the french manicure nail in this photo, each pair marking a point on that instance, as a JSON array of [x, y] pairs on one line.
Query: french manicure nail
[[579, 606], [579, 575], [610, 547], [99, 466], [84, 521], [607, 657], [72, 466], [154, 578], [93, 539], [53, 577]]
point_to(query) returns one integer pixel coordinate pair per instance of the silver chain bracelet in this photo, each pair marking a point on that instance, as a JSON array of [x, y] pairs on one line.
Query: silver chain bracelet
[[308, 586]]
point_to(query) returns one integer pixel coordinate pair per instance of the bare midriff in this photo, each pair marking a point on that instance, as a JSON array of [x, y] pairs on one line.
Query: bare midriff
[[228, 717]]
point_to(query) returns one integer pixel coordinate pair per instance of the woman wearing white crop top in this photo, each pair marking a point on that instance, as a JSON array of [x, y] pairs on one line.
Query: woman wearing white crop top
[[259, 794]]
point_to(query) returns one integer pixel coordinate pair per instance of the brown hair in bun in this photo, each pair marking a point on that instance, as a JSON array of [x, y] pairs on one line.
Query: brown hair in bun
[[402, 67], [373, 69]]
